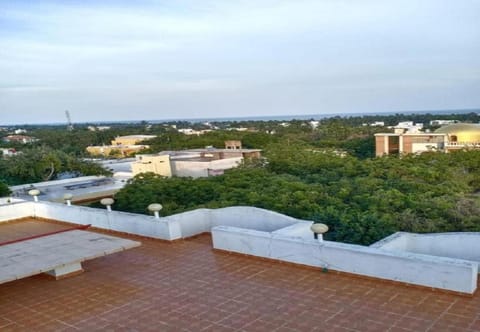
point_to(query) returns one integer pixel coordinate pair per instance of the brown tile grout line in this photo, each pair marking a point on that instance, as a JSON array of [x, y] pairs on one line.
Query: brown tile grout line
[[440, 316]]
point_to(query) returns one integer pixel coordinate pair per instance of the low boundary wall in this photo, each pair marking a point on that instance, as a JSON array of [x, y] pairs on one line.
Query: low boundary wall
[[268, 234], [431, 271]]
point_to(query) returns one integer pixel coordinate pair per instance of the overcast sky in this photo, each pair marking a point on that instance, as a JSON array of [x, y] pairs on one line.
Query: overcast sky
[[144, 60]]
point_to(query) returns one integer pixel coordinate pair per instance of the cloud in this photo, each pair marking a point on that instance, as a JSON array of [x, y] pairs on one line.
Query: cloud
[[244, 51]]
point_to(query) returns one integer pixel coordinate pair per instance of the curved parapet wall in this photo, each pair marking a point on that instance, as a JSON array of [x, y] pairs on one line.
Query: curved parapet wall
[[173, 227], [247, 217], [432, 260]]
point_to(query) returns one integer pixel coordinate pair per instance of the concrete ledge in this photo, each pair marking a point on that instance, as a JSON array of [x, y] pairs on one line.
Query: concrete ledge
[[438, 272], [58, 255], [435, 244]]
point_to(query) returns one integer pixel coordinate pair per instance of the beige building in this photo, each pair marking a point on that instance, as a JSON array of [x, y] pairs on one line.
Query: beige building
[[193, 163], [233, 145], [155, 163], [408, 143], [19, 139], [458, 136], [122, 146], [116, 150], [131, 139]]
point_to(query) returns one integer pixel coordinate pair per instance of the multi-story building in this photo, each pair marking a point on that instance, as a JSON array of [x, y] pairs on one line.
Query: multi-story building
[[195, 162], [131, 139], [441, 122], [452, 137], [121, 145]]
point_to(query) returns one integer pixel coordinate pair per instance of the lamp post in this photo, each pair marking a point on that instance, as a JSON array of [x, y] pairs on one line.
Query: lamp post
[[155, 208], [318, 231], [68, 198], [107, 202], [34, 193]]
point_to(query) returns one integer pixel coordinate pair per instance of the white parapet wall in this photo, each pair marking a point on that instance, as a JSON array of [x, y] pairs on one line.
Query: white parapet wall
[[463, 245], [173, 227], [432, 260], [438, 272], [202, 220], [15, 210], [110, 220]]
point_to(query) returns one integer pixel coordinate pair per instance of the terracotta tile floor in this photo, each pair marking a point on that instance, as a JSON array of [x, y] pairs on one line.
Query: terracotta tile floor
[[22, 229], [186, 286]]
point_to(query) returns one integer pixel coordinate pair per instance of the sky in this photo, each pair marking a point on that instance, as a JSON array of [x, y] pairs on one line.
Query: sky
[[146, 60]]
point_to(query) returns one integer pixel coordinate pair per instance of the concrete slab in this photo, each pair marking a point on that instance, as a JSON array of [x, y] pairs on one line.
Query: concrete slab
[[58, 254]]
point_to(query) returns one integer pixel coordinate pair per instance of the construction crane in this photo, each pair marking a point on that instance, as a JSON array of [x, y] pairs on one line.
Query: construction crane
[[69, 121]]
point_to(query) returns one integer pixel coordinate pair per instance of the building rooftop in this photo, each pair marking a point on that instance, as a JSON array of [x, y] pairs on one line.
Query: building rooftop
[[145, 137], [410, 134], [85, 188], [185, 285], [459, 127], [224, 150]]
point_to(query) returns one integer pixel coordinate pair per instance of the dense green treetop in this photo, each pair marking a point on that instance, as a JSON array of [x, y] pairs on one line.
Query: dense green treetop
[[36, 164], [362, 201]]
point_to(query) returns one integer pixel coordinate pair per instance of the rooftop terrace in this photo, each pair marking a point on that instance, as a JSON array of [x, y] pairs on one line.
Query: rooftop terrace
[[186, 285]]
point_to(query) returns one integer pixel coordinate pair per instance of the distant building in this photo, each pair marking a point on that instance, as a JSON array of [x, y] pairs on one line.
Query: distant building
[[98, 128], [195, 162], [461, 136], [452, 137], [441, 122], [122, 146], [8, 152], [19, 139], [407, 127], [392, 143], [233, 145], [115, 150], [131, 139], [241, 129], [190, 131]]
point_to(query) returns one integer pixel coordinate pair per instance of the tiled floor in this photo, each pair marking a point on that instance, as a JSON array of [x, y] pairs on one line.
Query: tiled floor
[[22, 229], [186, 286]]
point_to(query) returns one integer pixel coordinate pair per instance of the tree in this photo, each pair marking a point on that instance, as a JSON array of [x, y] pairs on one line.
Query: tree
[[4, 190]]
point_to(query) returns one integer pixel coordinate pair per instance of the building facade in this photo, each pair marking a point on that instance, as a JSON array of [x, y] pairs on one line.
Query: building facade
[[131, 139], [122, 146], [193, 163], [459, 136]]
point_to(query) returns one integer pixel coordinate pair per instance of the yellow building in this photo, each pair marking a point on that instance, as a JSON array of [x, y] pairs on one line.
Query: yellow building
[[121, 146], [461, 136], [131, 139], [155, 163], [115, 150]]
